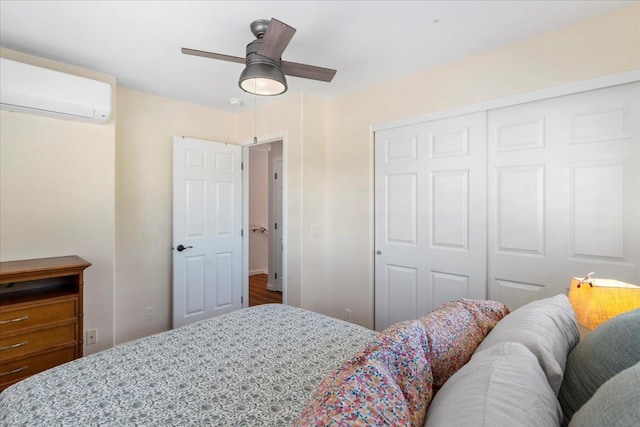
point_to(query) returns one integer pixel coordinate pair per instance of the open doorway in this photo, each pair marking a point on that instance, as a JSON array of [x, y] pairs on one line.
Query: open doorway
[[265, 207]]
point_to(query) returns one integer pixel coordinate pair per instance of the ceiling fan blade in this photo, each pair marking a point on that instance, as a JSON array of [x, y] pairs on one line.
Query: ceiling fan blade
[[212, 55], [276, 39], [307, 71]]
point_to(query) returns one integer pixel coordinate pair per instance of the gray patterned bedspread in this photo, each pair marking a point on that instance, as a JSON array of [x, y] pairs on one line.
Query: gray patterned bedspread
[[253, 367]]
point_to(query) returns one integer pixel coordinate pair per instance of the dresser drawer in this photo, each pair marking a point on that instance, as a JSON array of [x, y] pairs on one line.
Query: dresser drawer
[[22, 368], [16, 318], [19, 345]]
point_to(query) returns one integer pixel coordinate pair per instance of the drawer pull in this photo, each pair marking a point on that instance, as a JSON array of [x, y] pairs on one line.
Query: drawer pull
[[15, 371], [17, 319], [20, 344]]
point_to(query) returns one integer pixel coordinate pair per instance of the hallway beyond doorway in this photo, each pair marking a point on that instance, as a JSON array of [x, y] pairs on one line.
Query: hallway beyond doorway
[[258, 292]]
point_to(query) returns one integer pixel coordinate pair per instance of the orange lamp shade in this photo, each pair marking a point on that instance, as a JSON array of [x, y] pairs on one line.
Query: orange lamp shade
[[597, 300]]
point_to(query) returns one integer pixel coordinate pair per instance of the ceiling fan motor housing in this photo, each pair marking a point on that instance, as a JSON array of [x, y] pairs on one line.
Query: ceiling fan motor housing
[[262, 75], [253, 56]]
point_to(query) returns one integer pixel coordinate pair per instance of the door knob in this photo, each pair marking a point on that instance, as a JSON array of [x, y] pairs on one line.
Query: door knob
[[182, 248], [379, 252]]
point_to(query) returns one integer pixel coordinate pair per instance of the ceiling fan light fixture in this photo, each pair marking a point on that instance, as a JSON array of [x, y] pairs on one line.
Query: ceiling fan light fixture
[[263, 78]]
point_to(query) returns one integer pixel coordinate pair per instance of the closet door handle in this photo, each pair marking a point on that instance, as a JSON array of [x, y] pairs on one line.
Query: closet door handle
[[182, 248], [379, 252]]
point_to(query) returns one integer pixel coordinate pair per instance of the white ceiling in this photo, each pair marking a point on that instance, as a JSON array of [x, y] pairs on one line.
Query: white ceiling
[[368, 42]]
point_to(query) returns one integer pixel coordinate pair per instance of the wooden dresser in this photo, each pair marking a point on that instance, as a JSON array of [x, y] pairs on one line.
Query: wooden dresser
[[40, 315]]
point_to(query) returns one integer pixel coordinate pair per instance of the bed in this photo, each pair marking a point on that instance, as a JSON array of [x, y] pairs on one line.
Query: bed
[[468, 362], [255, 366]]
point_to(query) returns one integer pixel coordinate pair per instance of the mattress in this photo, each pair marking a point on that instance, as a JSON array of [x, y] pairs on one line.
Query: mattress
[[256, 366]]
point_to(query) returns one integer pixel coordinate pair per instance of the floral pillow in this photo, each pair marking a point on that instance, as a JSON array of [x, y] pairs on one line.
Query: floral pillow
[[392, 380], [454, 330], [387, 383]]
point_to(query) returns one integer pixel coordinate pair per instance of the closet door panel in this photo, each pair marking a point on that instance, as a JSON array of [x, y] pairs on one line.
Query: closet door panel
[[564, 197], [400, 232], [456, 169], [430, 207]]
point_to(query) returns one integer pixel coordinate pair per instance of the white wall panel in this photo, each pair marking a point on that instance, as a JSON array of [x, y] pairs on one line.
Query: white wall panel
[[195, 208], [450, 209], [449, 143], [401, 293], [598, 211], [598, 126], [521, 134], [194, 285], [448, 287], [224, 208], [224, 279], [401, 193], [401, 148], [224, 162], [194, 159], [517, 294], [520, 209]]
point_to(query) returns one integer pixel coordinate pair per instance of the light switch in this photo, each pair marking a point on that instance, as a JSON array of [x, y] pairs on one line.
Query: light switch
[[315, 230]]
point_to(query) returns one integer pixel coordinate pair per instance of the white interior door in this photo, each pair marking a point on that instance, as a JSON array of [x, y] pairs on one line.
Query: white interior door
[[207, 222], [430, 216], [275, 273], [564, 192]]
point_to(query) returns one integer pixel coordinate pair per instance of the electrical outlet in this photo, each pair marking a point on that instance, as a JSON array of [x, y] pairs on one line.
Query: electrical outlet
[[148, 313], [347, 315], [92, 336]]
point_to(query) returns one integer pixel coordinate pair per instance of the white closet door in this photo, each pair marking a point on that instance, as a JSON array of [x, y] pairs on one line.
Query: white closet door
[[430, 225], [564, 185]]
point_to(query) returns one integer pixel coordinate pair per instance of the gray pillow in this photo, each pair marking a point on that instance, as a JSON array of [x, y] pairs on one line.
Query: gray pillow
[[547, 327], [608, 350], [501, 386], [615, 404]]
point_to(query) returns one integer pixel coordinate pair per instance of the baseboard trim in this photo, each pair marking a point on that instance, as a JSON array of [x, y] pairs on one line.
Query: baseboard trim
[[259, 271]]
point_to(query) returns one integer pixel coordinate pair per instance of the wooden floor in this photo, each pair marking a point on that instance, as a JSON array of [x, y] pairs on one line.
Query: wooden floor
[[258, 292]]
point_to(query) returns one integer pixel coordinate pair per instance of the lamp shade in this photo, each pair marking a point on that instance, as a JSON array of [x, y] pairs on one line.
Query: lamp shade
[[597, 300], [263, 78]]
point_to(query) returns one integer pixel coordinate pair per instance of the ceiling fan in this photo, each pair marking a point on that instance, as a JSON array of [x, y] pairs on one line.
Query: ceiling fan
[[264, 71]]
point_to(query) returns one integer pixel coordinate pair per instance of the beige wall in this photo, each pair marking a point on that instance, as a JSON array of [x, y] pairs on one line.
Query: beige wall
[[605, 45], [57, 196], [315, 294], [146, 125]]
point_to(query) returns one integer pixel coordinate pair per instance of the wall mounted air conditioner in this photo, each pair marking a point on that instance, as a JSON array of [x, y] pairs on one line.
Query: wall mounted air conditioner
[[29, 89]]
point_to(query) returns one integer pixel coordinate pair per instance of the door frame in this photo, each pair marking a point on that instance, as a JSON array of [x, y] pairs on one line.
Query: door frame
[[273, 247], [246, 144], [570, 88]]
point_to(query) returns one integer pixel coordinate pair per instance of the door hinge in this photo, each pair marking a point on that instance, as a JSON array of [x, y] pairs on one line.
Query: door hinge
[[241, 165], [242, 233], [241, 299], [276, 225], [276, 175], [276, 274]]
